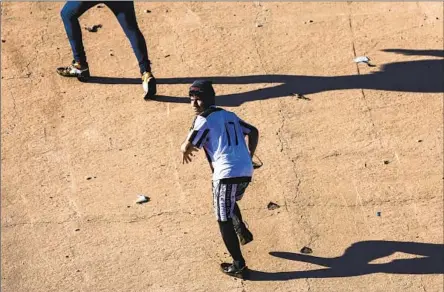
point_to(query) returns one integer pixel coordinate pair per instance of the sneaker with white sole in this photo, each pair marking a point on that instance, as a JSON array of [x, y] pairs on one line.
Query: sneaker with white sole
[[235, 270], [81, 71], [149, 85]]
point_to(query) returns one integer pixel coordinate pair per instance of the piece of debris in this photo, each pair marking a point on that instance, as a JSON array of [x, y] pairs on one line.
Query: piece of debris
[[142, 199], [257, 165], [93, 28], [386, 161], [306, 250], [147, 11], [3, 41], [363, 59], [272, 206], [166, 56], [378, 214], [300, 96]]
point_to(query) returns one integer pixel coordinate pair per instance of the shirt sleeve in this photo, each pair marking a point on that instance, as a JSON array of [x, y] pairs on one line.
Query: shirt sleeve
[[199, 132]]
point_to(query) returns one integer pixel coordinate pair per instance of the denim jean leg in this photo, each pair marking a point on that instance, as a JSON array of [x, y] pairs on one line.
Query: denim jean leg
[[126, 16], [70, 14]]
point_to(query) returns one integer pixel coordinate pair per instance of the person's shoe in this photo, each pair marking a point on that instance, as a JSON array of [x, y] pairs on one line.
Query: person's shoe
[[245, 236], [81, 71], [234, 270], [149, 85]]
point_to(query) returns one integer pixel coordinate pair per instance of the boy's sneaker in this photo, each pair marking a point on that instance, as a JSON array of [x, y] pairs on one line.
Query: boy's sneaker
[[81, 71], [149, 85], [234, 270]]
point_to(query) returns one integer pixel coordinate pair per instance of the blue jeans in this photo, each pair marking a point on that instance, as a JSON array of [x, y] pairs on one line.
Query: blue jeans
[[123, 10]]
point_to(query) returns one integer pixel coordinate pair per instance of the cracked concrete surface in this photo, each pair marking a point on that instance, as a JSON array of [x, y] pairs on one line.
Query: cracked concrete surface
[[76, 155]]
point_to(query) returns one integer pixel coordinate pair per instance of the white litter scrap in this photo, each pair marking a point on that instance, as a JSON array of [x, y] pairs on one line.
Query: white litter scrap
[[363, 59], [142, 199]]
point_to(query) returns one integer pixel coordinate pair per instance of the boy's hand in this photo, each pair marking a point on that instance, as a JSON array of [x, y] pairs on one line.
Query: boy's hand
[[187, 151]]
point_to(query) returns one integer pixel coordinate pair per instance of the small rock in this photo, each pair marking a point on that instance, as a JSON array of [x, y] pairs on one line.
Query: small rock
[[272, 206], [306, 250], [311, 21], [378, 214], [3, 41], [166, 56], [100, 6], [93, 28], [88, 178], [166, 11], [147, 11], [419, 141], [111, 54], [386, 162], [437, 18], [78, 271], [259, 25], [62, 117], [67, 256], [142, 199], [77, 229]]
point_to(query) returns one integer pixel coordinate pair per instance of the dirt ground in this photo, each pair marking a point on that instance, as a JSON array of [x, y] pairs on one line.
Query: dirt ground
[[353, 154]]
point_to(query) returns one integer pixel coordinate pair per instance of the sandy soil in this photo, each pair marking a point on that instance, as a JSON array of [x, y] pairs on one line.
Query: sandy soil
[[74, 156]]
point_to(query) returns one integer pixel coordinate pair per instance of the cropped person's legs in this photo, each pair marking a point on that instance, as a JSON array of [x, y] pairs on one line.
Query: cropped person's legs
[[70, 14], [124, 11]]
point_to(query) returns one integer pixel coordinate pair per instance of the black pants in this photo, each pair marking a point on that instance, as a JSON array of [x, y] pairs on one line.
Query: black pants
[[227, 230]]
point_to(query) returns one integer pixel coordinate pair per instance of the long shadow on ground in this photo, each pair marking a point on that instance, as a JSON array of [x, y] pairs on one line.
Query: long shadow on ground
[[356, 261], [411, 76]]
